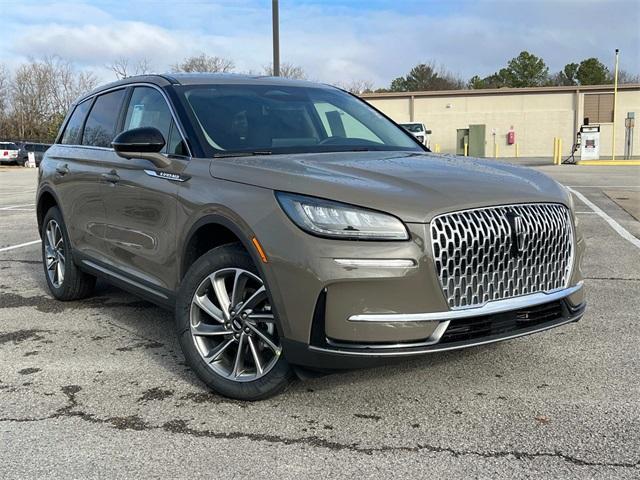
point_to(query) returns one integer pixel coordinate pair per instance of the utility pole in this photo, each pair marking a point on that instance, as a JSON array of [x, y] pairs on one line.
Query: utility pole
[[615, 100], [276, 38]]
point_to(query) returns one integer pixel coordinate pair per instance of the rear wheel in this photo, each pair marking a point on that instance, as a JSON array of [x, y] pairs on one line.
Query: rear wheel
[[227, 327], [65, 280]]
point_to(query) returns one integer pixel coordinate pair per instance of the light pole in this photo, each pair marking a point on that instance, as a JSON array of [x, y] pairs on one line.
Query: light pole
[[615, 100], [276, 38]]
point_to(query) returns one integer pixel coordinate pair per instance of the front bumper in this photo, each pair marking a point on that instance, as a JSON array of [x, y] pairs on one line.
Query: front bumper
[[454, 330]]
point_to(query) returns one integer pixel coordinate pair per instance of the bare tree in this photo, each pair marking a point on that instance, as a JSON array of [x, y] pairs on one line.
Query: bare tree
[[5, 80], [357, 87], [123, 68], [287, 70], [40, 95], [204, 63], [5, 86], [625, 77]]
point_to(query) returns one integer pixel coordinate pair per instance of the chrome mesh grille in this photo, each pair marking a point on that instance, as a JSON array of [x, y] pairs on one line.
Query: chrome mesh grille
[[501, 252]]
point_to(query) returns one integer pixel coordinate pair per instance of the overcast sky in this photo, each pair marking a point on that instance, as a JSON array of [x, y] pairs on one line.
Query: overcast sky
[[333, 40]]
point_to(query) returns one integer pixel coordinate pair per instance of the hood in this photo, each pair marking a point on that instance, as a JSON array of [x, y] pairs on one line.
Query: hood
[[412, 186]]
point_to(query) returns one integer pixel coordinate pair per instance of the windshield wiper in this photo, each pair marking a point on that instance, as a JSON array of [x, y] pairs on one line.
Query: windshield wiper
[[241, 154]]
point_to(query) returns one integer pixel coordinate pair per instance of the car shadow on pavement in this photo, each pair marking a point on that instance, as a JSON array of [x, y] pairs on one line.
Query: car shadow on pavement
[[149, 330]]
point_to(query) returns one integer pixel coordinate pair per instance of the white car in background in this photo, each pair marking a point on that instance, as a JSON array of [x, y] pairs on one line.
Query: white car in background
[[419, 131], [9, 152]]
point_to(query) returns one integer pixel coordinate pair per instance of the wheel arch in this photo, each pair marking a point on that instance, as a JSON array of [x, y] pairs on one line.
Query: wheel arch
[[195, 243], [244, 235], [46, 199]]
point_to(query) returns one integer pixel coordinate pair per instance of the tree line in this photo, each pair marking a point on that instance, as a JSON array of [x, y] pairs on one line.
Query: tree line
[[524, 70], [35, 97]]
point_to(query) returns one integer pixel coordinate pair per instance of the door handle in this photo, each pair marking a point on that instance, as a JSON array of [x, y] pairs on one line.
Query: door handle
[[111, 177], [62, 170]]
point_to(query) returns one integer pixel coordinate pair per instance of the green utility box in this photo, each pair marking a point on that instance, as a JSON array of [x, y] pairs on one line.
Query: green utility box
[[477, 140], [474, 137]]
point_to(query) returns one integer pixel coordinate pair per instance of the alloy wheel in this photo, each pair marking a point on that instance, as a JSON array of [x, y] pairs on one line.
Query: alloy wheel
[[55, 255], [233, 326]]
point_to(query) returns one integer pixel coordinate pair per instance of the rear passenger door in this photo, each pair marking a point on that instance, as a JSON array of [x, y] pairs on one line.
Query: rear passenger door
[[77, 167], [141, 206]]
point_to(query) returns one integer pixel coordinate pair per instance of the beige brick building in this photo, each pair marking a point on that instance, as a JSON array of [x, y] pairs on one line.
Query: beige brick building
[[537, 115]]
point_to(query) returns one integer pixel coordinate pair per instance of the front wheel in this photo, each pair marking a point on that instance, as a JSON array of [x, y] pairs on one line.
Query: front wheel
[[227, 327]]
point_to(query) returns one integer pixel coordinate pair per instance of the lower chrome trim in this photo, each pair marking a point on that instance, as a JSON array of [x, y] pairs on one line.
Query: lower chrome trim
[[122, 278], [437, 348], [432, 340], [487, 309], [375, 263]]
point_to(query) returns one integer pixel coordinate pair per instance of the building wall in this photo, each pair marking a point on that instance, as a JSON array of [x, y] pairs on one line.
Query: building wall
[[536, 115], [628, 101]]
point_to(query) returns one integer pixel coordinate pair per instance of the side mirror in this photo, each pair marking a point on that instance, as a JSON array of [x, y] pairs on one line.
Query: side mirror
[[428, 132], [143, 142]]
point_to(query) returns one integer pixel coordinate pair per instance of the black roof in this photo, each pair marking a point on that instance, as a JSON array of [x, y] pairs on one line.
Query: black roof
[[166, 79]]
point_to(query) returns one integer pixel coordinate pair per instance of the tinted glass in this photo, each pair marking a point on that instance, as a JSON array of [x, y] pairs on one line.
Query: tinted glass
[[148, 108], [72, 131], [287, 119], [102, 121], [412, 127], [176, 145], [9, 146]]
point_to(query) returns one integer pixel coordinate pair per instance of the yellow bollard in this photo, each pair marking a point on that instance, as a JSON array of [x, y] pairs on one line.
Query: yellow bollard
[[517, 151], [496, 150], [555, 150], [436, 148], [559, 151], [466, 149]]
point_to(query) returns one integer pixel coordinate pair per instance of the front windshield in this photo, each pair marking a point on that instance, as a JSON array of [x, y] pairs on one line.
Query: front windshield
[[412, 127], [287, 119], [8, 146]]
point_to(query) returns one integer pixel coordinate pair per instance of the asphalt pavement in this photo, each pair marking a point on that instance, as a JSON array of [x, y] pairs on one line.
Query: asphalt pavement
[[99, 388]]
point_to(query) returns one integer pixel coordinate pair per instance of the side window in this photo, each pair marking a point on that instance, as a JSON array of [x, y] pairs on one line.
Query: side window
[[102, 121], [175, 144], [71, 135], [148, 108]]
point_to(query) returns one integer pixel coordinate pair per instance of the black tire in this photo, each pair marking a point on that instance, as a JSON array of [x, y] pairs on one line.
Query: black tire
[[76, 283], [220, 258]]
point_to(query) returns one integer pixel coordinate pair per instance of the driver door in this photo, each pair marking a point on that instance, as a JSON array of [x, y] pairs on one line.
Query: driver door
[[141, 206]]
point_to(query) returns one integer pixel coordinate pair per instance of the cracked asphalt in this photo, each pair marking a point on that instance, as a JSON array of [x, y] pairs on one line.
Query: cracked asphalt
[[99, 388]]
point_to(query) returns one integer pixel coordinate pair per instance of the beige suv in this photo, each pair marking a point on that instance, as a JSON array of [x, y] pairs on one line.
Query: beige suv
[[293, 227]]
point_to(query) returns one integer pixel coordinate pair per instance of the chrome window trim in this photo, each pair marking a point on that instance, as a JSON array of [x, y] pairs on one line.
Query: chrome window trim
[[489, 308], [136, 84]]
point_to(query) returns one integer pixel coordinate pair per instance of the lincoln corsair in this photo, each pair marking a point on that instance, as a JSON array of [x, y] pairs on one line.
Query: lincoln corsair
[[293, 228]]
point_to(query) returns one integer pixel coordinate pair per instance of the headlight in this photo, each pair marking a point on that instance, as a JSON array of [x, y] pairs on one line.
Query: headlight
[[339, 220]]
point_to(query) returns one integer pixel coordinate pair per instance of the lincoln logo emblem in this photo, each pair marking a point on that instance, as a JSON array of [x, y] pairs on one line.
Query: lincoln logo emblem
[[517, 233]]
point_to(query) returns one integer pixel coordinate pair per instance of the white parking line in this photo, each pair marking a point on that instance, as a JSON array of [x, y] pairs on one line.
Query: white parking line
[[603, 186], [11, 207], [624, 233], [13, 247]]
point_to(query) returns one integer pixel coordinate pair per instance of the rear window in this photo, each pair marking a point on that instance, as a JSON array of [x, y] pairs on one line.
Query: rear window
[[102, 121], [8, 146], [412, 127], [71, 135]]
